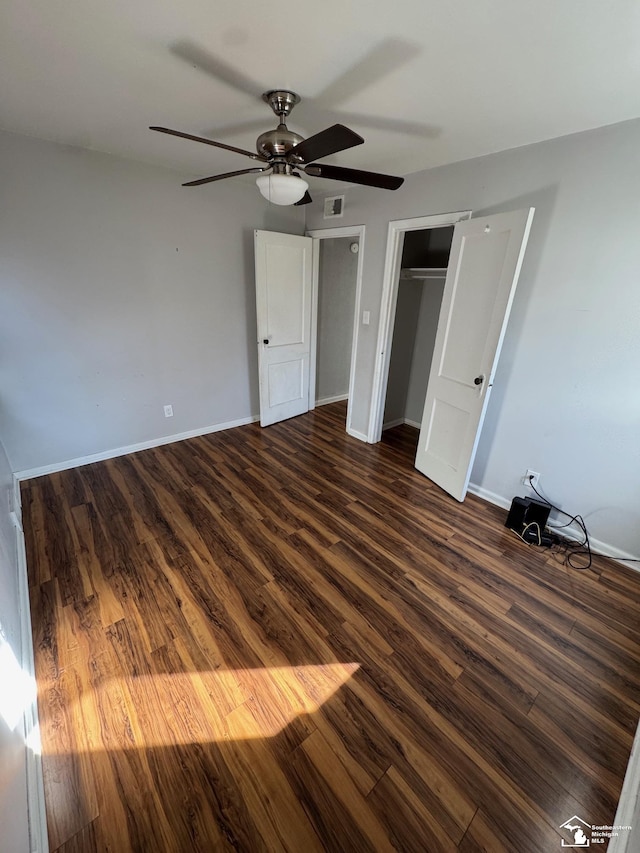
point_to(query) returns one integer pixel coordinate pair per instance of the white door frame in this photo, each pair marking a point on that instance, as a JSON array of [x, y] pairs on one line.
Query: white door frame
[[390, 283], [327, 234]]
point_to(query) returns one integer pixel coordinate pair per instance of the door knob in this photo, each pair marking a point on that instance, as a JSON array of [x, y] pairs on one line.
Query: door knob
[[265, 341], [478, 380]]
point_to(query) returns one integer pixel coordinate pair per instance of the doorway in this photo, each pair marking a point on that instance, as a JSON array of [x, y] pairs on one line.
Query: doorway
[[480, 281], [414, 276], [337, 274], [337, 281]]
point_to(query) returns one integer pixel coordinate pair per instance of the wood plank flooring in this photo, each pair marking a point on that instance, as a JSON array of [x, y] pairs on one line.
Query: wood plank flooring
[[287, 640]]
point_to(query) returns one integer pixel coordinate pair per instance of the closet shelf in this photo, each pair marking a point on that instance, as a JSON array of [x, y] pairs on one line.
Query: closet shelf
[[422, 272]]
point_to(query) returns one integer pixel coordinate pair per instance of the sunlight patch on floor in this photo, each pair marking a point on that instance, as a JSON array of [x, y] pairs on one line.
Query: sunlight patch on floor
[[182, 708]]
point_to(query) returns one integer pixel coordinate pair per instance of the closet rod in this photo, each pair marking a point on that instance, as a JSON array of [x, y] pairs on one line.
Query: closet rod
[[422, 272]]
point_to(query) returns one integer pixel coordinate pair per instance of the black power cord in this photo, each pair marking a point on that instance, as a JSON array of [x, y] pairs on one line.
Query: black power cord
[[576, 548]]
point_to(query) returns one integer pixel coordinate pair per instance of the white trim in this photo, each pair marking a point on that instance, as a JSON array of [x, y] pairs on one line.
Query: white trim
[[17, 499], [355, 434], [326, 400], [399, 422], [395, 240], [36, 810], [596, 544], [29, 473], [491, 497], [313, 338], [628, 810], [340, 231], [327, 234]]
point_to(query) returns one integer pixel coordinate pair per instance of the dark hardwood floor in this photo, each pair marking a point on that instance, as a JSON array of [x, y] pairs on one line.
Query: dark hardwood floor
[[285, 639]]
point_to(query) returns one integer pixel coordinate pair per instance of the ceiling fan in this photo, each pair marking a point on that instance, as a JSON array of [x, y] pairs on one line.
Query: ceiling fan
[[285, 154]]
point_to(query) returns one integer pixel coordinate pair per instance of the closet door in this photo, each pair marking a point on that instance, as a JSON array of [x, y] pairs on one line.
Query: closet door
[[484, 265]]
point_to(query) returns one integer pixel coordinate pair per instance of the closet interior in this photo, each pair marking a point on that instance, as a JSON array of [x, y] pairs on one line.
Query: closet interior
[[425, 257]]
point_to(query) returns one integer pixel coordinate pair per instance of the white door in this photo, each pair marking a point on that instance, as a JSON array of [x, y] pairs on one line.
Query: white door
[[484, 265], [283, 303]]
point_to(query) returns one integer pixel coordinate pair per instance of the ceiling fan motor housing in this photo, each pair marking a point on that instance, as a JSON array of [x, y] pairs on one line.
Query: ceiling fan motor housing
[[278, 142]]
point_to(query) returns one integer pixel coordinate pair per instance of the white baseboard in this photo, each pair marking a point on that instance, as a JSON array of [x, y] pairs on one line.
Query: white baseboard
[[399, 421], [326, 400], [491, 497], [29, 473], [597, 545], [600, 547], [361, 436], [38, 839]]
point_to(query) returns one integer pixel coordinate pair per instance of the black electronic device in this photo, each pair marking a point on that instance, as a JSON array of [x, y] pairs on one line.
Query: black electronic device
[[528, 517]]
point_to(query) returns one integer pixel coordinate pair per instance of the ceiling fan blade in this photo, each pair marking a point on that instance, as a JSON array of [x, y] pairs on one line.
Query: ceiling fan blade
[[210, 142], [414, 128], [329, 141], [354, 176], [306, 199], [222, 177]]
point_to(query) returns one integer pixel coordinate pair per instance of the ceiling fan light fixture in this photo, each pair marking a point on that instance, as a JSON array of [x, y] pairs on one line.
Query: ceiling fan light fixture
[[281, 189], [284, 152]]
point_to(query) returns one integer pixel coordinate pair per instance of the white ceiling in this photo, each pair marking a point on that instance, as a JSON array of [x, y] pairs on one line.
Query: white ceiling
[[426, 82]]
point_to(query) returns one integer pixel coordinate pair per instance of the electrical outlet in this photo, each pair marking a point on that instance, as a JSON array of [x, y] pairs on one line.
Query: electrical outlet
[[168, 411], [531, 478]]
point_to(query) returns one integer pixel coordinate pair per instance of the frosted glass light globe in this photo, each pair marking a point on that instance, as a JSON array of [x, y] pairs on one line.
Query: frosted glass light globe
[[282, 189]]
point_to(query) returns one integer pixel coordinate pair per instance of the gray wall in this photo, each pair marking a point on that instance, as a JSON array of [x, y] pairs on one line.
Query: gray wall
[[414, 337], [121, 291], [336, 302], [405, 328], [564, 401], [14, 831], [427, 326]]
